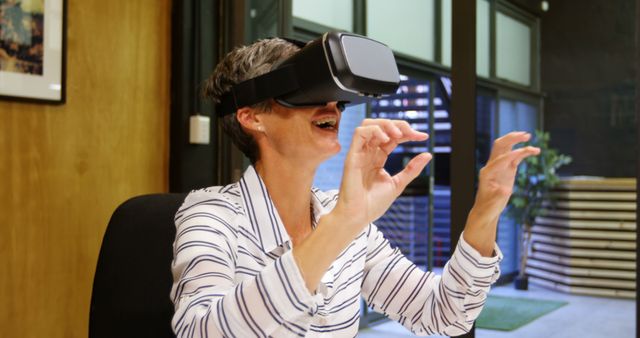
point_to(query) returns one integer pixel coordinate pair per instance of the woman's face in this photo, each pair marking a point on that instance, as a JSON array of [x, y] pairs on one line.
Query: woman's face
[[301, 134]]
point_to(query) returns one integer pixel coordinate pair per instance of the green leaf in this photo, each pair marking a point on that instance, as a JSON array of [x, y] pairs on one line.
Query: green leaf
[[518, 202]]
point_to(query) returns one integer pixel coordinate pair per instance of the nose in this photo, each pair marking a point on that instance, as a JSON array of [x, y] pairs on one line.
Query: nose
[[340, 105]]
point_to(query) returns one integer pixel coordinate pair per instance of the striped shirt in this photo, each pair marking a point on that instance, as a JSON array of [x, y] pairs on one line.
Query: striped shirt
[[235, 276]]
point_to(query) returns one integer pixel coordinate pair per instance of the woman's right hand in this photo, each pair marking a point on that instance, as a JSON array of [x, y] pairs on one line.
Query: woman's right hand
[[367, 190]]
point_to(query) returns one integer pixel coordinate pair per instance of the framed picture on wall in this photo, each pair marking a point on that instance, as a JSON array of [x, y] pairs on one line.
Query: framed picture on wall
[[32, 50]]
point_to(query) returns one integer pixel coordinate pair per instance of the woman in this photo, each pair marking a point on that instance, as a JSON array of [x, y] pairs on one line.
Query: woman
[[272, 256]]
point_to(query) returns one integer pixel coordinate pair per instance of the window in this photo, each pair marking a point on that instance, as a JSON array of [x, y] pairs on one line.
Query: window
[[483, 38], [513, 115], [516, 115], [337, 14], [413, 25], [445, 9], [513, 49], [408, 223]]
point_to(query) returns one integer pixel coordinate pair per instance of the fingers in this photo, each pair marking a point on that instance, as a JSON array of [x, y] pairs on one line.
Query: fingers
[[387, 125], [399, 131], [514, 158], [409, 133], [411, 171], [517, 156], [389, 147], [371, 135], [505, 143], [377, 138]]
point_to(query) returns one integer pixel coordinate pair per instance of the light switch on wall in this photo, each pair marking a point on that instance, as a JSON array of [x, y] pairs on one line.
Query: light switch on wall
[[199, 129]]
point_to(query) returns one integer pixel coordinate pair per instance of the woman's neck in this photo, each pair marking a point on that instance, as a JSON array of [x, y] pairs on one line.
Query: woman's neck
[[289, 186]]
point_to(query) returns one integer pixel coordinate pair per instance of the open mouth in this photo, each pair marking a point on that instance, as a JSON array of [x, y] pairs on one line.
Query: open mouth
[[327, 123]]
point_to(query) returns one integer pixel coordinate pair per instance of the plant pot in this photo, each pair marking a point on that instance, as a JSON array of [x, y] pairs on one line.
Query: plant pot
[[521, 283]]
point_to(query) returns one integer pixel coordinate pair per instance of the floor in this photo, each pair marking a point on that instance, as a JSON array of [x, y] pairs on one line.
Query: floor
[[584, 317]]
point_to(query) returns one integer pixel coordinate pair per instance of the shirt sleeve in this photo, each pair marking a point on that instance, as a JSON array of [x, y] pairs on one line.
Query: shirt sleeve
[[210, 302], [424, 302]]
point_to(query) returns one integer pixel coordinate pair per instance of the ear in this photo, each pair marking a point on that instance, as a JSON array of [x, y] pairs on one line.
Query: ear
[[249, 119]]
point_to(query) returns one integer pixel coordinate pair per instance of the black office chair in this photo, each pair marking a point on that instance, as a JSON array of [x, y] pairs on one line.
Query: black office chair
[[133, 278]]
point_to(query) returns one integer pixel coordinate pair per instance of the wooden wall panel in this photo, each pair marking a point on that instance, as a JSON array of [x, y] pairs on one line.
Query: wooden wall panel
[[64, 169], [586, 242]]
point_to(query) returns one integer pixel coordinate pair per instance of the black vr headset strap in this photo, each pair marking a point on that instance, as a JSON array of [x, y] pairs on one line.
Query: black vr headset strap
[[299, 43], [270, 85]]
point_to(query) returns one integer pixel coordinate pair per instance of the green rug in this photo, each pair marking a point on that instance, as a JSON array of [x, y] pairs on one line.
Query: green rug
[[508, 314]]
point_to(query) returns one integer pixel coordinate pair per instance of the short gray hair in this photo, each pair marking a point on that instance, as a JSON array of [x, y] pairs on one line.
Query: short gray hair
[[241, 64]]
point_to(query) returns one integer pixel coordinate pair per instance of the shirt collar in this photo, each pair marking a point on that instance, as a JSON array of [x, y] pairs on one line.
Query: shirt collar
[[263, 216]]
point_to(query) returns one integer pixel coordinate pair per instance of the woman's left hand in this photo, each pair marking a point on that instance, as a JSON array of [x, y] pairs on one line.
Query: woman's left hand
[[498, 176], [494, 189]]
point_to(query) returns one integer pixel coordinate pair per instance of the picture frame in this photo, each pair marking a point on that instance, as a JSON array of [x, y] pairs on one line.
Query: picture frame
[[33, 50]]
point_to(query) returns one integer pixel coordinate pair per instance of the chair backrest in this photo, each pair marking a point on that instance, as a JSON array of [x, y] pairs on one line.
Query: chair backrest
[[133, 277]]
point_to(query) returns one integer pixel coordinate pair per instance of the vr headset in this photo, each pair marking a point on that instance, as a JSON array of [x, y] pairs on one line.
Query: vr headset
[[338, 66]]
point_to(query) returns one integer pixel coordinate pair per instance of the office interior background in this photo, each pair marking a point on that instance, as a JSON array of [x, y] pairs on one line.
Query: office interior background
[[133, 74]]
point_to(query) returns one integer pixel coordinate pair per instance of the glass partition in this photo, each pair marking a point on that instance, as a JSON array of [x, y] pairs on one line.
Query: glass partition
[[337, 14], [513, 49], [516, 115], [513, 115], [445, 32], [422, 237], [413, 23], [483, 38], [262, 20]]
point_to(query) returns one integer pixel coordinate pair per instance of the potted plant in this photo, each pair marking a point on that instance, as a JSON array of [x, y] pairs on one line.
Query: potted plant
[[535, 178]]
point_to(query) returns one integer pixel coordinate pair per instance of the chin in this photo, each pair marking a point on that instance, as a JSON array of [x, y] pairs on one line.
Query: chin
[[329, 151]]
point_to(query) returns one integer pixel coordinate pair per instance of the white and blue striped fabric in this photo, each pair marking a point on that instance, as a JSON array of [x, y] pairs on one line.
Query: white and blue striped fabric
[[234, 274]]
